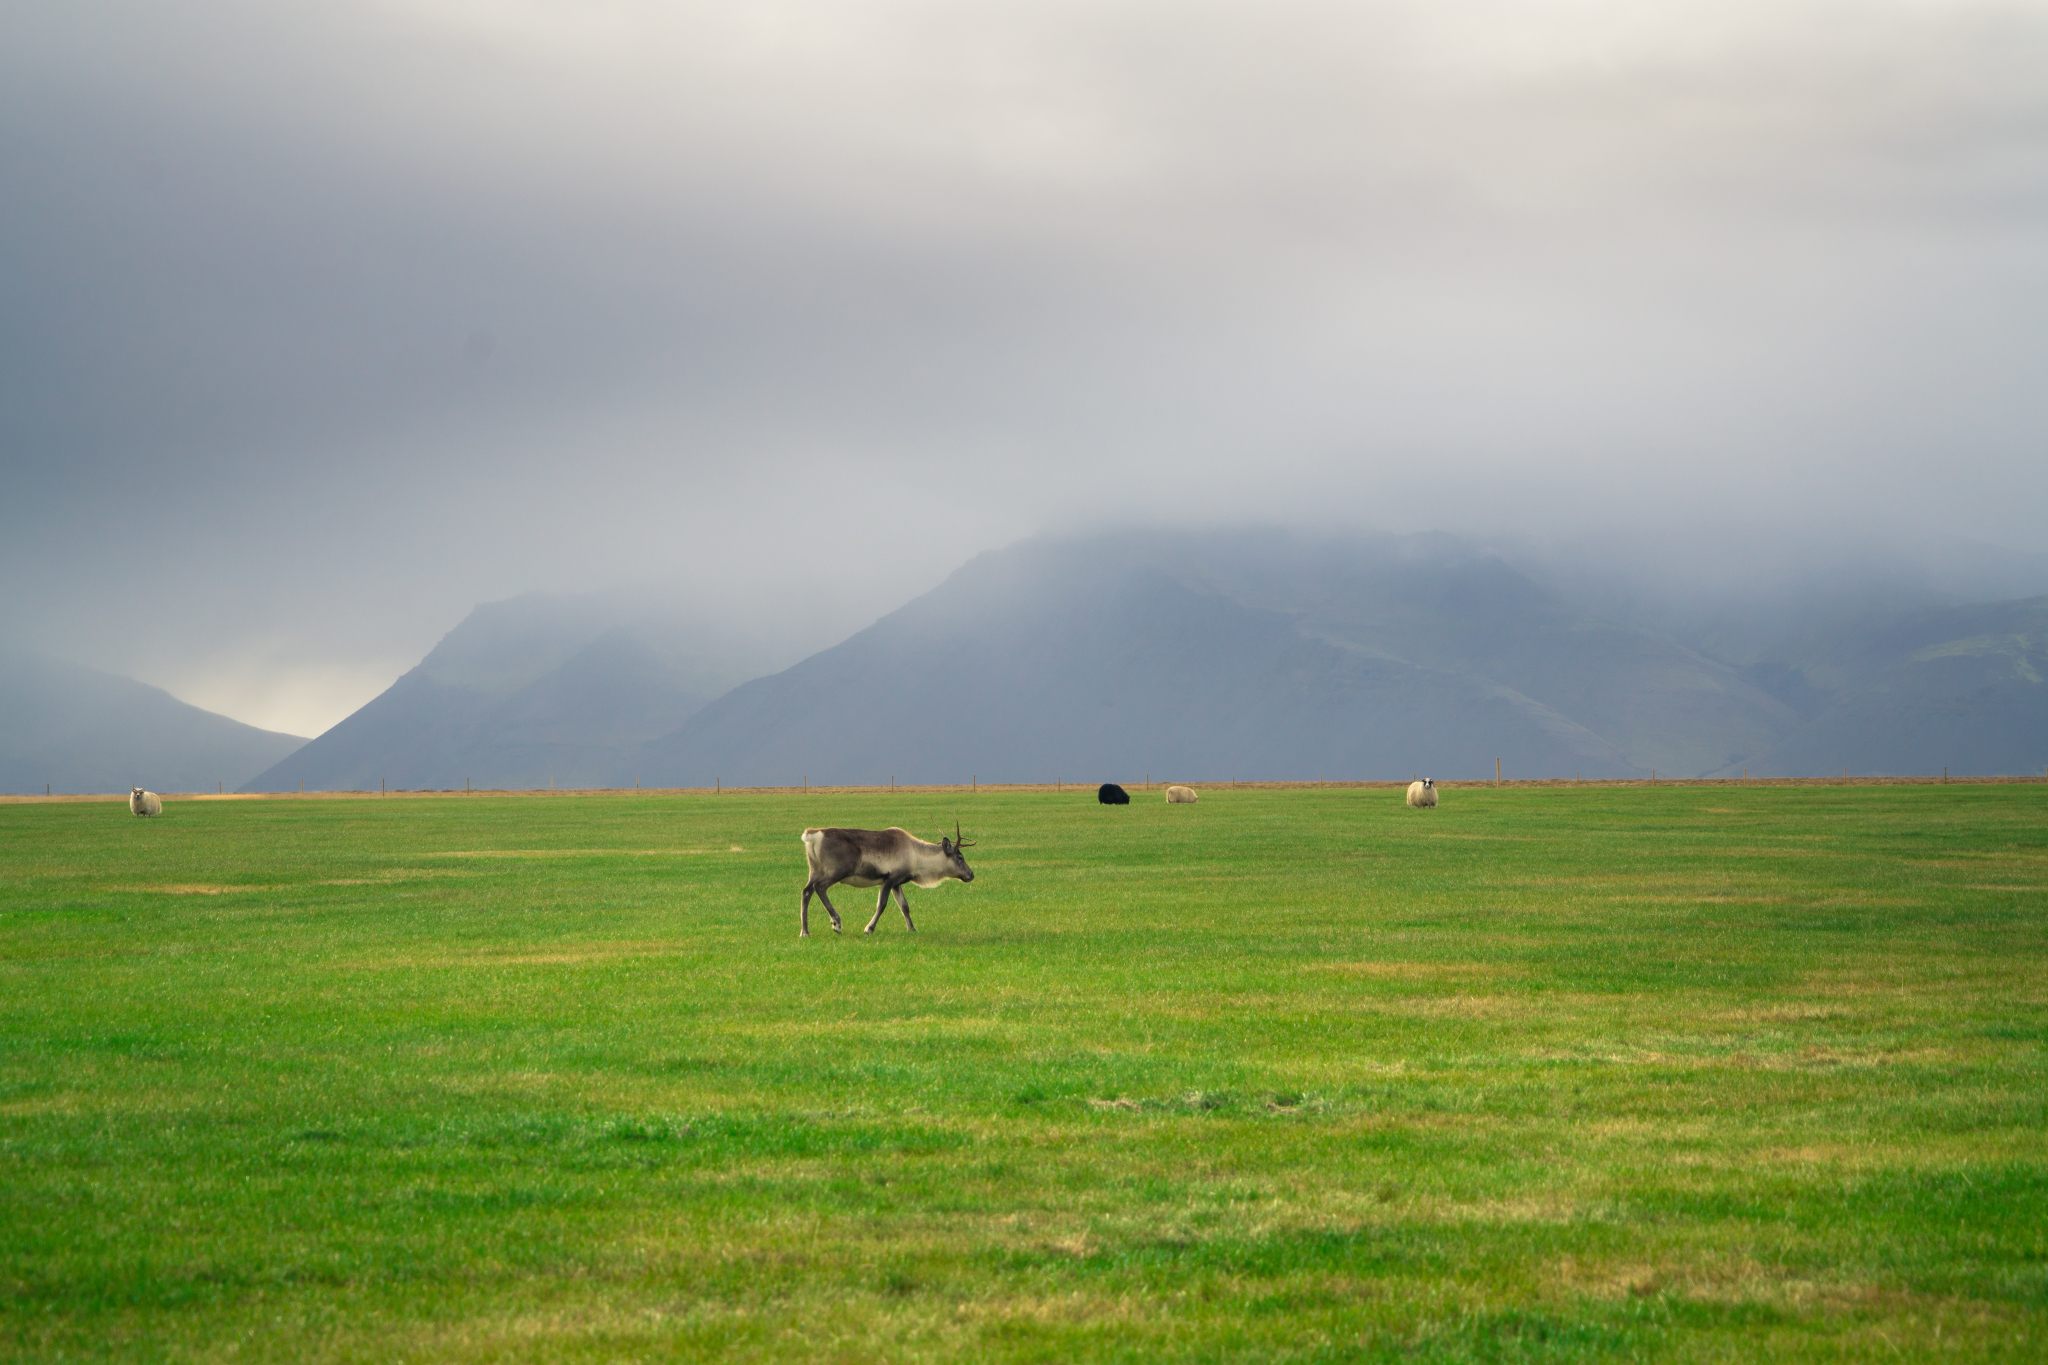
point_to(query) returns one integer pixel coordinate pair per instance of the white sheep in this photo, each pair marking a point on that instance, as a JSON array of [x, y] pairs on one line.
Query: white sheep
[[145, 803], [1422, 795], [1182, 796]]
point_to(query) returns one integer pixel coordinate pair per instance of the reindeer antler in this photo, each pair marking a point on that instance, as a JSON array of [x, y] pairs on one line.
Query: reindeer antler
[[959, 842]]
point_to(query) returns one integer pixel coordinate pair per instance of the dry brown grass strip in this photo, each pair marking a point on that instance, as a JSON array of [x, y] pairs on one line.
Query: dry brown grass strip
[[579, 852], [1419, 971]]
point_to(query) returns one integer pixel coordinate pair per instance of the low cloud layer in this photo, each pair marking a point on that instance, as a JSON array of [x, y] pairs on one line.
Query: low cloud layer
[[318, 325]]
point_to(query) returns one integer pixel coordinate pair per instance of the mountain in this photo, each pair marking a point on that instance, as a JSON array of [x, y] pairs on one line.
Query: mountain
[[1243, 654], [1264, 654], [1749, 595], [1449, 605], [80, 730], [1118, 658], [1919, 691], [536, 689]]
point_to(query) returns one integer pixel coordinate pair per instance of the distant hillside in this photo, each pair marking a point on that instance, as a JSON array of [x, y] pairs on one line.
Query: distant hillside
[[1749, 596], [1217, 655], [1254, 654], [80, 730], [1444, 604], [1095, 660], [535, 689], [1917, 691]]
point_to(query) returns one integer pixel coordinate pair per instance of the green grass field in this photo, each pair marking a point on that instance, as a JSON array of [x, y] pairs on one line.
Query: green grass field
[[1679, 1073]]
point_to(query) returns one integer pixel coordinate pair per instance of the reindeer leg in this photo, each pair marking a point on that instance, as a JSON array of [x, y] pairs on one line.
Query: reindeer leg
[[881, 904], [803, 914], [904, 901], [812, 889]]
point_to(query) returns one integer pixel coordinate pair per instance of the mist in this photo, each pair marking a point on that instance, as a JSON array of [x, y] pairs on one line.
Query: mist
[[319, 327]]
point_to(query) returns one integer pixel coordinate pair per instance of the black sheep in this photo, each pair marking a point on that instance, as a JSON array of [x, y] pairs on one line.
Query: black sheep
[[1113, 795]]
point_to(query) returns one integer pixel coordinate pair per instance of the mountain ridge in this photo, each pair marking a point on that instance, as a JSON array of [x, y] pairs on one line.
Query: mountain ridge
[[533, 690], [1208, 687], [1209, 656], [76, 729]]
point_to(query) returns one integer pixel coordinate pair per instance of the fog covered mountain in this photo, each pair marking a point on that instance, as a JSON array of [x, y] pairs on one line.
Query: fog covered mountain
[[77, 729], [1896, 657], [1915, 691], [1756, 597], [1271, 655], [536, 689], [1207, 658], [1219, 655]]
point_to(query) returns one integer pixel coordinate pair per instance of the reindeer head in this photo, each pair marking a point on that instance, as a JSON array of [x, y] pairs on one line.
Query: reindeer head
[[951, 848]]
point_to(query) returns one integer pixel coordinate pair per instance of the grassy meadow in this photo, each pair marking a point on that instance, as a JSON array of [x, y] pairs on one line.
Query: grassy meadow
[[1548, 1074]]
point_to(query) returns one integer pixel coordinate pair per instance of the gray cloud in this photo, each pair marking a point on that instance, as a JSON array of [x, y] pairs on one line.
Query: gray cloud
[[318, 325]]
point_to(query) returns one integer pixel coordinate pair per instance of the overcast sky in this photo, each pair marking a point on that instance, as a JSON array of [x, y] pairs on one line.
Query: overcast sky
[[321, 323]]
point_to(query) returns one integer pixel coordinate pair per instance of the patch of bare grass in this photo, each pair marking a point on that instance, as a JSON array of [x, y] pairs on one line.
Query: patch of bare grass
[[1421, 971], [1697, 898], [581, 955], [579, 852], [1788, 1013], [1503, 1006]]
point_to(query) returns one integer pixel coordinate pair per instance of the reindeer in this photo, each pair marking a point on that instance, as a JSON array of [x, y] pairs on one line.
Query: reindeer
[[888, 858]]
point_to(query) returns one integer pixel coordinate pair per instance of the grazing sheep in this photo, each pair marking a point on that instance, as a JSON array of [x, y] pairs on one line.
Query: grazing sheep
[[1422, 795], [1111, 794], [145, 803], [1182, 796]]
